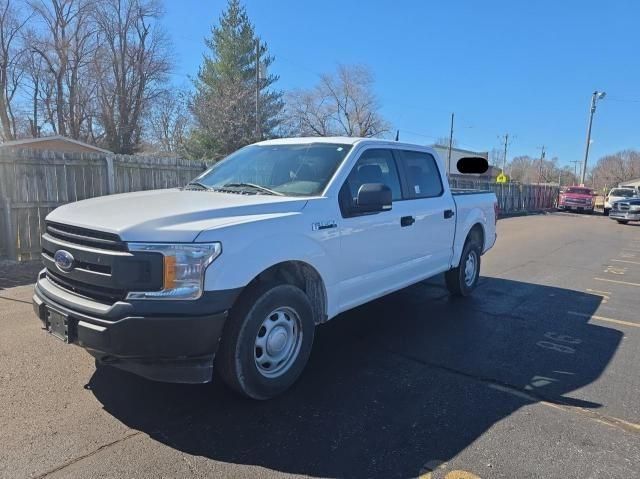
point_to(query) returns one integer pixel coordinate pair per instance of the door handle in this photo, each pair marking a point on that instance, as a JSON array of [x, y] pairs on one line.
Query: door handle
[[407, 221], [448, 214]]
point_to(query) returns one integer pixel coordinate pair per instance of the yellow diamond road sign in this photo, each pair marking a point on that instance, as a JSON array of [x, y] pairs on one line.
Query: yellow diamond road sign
[[502, 178]]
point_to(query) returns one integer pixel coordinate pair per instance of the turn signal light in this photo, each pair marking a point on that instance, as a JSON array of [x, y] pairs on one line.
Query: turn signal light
[[169, 272]]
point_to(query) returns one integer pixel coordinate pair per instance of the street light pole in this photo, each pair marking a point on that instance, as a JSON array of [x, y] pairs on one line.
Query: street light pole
[[597, 95]]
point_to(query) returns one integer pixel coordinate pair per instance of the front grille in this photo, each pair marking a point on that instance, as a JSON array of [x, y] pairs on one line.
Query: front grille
[[86, 237], [97, 293], [83, 265]]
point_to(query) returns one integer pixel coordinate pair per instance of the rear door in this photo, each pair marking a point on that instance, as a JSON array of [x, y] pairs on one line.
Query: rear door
[[433, 210]]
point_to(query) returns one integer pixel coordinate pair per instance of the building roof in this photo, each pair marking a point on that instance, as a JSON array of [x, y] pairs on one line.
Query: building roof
[[635, 182], [459, 150], [33, 142]]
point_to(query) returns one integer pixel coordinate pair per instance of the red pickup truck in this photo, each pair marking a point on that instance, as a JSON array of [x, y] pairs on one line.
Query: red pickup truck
[[576, 198]]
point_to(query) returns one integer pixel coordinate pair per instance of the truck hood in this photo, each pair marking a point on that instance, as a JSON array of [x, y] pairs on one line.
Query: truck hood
[[172, 215]]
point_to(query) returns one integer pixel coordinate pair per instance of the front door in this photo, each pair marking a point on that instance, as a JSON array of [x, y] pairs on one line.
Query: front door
[[374, 247]]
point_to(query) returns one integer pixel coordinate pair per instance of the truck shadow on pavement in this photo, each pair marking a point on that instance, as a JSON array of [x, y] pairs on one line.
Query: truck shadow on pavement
[[411, 378]]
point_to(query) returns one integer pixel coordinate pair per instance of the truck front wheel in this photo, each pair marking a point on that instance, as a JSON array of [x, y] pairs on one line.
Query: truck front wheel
[[267, 340], [462, 280]]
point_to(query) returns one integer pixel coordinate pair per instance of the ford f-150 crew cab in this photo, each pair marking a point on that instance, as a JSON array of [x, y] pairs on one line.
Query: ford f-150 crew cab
[[246, 260]]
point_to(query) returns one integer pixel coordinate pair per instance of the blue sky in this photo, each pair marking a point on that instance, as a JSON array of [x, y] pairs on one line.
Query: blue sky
[[526, 68]]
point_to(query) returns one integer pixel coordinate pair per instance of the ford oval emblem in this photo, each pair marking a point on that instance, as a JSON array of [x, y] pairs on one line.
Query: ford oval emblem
[[64, 260]]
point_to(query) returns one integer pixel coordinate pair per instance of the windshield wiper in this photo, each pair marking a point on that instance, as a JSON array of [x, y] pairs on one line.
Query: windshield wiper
[[197, 183], [264, 189]]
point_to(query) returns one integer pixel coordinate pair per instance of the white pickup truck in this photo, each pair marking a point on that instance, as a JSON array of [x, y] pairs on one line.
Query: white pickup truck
[[247, 259]]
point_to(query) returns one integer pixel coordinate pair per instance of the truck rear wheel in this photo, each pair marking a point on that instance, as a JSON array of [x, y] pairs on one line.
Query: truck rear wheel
[[267, 340], [622, 222], [462, 280]]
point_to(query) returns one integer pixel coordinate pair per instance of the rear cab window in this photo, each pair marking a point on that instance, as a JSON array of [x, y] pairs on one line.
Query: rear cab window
[[421, 173]]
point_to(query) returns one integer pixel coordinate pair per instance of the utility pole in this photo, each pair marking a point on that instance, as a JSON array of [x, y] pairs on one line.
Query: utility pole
[[450, 145], [575, 167], [258, 129], [597, 95], [541, 161], [505, 139]]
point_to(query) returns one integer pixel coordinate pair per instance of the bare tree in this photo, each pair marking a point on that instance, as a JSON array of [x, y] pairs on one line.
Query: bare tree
[[610, 170], [11, 70], [342, 103], [133, 64], [529, 170], [61, 44], [169, 121]]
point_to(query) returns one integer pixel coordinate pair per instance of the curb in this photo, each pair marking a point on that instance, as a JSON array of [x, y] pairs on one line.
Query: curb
[[516, 214]]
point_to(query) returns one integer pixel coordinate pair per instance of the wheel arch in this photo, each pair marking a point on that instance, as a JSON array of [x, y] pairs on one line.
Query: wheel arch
[[477, 232], [301, 274]]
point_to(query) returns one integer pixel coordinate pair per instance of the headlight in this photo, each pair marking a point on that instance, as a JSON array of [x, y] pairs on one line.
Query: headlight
[[184, 267], [634, 208]]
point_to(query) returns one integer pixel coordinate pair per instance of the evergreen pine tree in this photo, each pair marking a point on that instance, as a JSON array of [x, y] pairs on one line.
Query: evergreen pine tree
[[224, 103]]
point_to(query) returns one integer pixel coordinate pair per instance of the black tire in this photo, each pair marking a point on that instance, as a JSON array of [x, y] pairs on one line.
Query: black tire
[[622, 222], [455, 278], [236, 361]]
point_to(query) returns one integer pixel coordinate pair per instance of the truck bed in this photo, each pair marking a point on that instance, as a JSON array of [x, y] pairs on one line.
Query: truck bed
[[467, 191]]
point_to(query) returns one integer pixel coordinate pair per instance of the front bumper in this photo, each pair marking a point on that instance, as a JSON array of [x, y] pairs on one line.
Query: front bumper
[[624, 215], [575, 207], [153, 339]]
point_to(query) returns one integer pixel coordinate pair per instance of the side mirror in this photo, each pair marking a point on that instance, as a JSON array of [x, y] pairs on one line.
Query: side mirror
[[373, 197]]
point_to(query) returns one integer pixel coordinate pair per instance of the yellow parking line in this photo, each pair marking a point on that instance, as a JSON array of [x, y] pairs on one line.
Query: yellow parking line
[[602, 419], [625, 261], [619, 282], [603, 318]]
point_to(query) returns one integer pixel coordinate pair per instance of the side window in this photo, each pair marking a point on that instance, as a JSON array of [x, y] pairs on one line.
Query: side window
[[374, 166], [422, 174]]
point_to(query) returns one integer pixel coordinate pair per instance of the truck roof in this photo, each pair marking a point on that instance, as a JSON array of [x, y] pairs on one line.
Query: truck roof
[[345, 140]]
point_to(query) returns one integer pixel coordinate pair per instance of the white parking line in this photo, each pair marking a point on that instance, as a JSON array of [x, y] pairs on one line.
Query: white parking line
[[603, 318], [625, 261], [618, 282]]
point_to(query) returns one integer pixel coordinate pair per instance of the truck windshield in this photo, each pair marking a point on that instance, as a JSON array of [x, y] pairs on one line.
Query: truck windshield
[[290, 170], [579, 191], [624, 192]]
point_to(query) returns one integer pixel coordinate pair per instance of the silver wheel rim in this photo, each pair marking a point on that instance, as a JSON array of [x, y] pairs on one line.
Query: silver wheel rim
[[278, 342], [470, 267]]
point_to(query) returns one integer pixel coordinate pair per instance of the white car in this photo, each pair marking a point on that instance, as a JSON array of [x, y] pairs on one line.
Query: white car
[[617, 194], [246, 260]]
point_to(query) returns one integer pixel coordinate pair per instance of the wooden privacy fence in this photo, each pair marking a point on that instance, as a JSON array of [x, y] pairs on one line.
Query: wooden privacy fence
[[34, 182]]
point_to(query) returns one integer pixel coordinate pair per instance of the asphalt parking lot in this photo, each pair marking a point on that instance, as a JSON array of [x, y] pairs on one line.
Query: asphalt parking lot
[[536, 375]]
